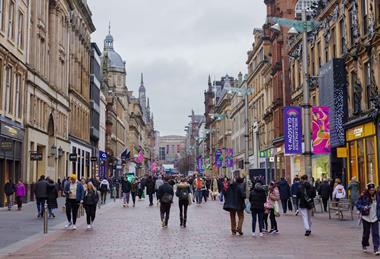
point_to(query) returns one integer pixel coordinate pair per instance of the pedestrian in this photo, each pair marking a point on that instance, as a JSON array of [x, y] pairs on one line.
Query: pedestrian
[[206, 188], [158, 183], [104, 189], [20, 193], [370, 215], [324, 192], [52, 197], [9, 190], [235, 205], [272, 206], [165, 195], [214, 189], [84, 184], [198, 186], [150, 189], [90, 201], [183, 194], [74, 196], [353, 187], [284, 189], [126, 189], [306, 194], [41, 193], [293, 191], [134, 191], [257, 199], [59, 186], [339, 191]]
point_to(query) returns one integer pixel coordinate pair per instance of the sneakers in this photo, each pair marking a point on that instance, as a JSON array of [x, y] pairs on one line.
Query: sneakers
[[377, 253], [272, 231], [297, 212], [89, 227], [254, 234], [68, 225], [261, 234], [162, 224], [365, 249], [307, 233], [74, 227]]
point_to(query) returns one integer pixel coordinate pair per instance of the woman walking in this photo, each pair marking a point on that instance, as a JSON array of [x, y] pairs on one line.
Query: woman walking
[[134, 189], [257, 198], [20, 193], [90, 201], [52, 197], [183, 194], [271, 205], [367, 205], [234, 204]]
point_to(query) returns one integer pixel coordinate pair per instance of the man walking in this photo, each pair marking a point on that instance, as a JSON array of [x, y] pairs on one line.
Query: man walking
[[158, 183], [9, 190], [293, 191], [126, 189], [104, 188], [165, 195], [284, 189], [41, 193], [150, 189], [306, 194], [74, 192]]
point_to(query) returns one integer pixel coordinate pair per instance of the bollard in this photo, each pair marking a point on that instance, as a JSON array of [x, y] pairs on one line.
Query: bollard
[[45, 218]]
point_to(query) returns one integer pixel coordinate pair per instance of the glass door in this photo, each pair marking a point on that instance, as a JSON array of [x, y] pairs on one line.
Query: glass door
[[371, 160], [361, 163]]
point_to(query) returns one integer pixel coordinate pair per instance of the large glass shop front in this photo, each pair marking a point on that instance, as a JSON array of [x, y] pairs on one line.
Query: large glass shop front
[[362, 154]]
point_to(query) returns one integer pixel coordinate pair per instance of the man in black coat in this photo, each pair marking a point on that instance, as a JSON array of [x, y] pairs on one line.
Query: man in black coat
[[9, 190], [284, 189], [150, 189], [324, 191], [41, 193], [126, 187], [165, 194], [234, 203]]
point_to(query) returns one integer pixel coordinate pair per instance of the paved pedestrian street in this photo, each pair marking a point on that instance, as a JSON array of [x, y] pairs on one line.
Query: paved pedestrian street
[[136, 233]]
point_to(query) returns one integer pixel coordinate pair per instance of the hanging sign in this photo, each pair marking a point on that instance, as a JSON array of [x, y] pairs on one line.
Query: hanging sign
[[293, 129], [321, 130]]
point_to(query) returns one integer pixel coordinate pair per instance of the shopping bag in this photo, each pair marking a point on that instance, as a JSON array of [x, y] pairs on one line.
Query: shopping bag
[[247, 206], [190, 197], [276, 208]]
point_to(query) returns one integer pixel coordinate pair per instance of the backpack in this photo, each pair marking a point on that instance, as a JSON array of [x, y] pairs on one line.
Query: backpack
[[309, 201], [167, 198], [183, 194], [103, 188]]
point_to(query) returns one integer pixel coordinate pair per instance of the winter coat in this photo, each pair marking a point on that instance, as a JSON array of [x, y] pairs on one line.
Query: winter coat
[[41, 189], [310, 191], [354, 190], [126, 186], [80, 191], [150, 186], [104, 186], [20, 190], [9, 189], [166, 188], [91, 197], [52, 196], [234, 198], [214, 185], [182, 187], [257, 198], [339, 192], [364, 201], [294, 188], [284, 189], [273, 196], [324, 190]]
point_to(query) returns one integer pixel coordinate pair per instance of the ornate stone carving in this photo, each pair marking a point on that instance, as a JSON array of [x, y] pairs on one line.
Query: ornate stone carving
[[357, 96], [355, 21]]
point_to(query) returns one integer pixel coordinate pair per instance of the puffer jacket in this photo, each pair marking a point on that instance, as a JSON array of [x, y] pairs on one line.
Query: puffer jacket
[[273, 196]]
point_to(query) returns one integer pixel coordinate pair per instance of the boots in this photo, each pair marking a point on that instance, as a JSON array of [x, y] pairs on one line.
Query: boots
[[184, 223], [181, 222]]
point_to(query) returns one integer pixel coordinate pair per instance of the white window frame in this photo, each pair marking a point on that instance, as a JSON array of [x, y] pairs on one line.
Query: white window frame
[[20, 30], [11, 20]]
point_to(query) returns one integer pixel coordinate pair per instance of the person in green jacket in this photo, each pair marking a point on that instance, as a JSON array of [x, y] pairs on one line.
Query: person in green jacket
[[354, 191]]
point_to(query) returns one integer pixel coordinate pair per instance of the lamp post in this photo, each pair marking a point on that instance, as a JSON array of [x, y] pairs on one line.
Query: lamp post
[[296, 27]]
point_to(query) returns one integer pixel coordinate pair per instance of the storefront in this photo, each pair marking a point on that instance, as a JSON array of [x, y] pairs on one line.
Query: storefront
[[82, 166], [320, 167], [362, 154], [11, 138]]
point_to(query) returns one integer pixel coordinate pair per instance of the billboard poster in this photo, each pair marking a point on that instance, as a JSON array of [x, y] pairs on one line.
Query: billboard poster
[[200, 164], [218, 158], [229, 157], [207, 163], [293, 129], [321, 130]]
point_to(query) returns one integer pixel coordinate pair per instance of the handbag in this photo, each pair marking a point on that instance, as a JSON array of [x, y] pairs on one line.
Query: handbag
[[247, 206], [276, 208], [190, 198]]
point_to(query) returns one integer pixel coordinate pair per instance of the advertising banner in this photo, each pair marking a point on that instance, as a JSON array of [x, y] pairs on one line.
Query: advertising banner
[[218, 158], [321, 130], [200, 164], [229, 157], [293, 129]]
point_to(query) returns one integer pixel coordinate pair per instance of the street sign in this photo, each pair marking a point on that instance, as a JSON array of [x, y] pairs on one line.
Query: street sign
[[94, 159], [35, 156], [6, 145], [102, 156], [73, 157]]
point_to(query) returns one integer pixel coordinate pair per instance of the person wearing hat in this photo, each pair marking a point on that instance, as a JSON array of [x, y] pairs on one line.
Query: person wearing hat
[[74, 192], [370, 215]]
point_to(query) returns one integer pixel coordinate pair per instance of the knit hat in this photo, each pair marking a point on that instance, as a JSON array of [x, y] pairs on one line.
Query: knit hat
[[73, 177]]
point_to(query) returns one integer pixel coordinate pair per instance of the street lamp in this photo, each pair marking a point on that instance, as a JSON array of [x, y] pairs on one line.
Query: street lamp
[[304, 26]]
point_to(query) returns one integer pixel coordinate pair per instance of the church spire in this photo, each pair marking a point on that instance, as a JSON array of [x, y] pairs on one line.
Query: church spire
[[148, 105], [142, 79]]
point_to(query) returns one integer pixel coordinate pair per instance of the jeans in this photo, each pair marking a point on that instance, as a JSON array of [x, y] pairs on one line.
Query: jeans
[[205, 194], [10, 201], [72, 207], [306, 216], [165, 212], [50, 211], [40, 206], [151, 199], [126, 197], [273, 221], [295, 203], [19, 202], [240, 214], [183, 204], [198, 196], [103, 197], [221, 197], [90, 213], [133, 197], [284, 203], [367, 227], [265, 221], [257, 213]]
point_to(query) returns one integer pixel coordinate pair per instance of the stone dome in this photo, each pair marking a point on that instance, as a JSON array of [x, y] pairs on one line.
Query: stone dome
[[115, 62]]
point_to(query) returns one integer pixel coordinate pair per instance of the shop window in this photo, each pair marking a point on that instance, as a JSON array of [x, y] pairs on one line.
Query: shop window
[[11, 20], [9, 90], [361, 162], [20, 30], [353, 162], [342, 36], [371, 159]]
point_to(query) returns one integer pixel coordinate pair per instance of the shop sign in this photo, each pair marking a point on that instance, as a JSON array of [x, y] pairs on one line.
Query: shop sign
[[321, 130], [293, 130], [361, 131], [102, 156], [94, 159], [6, 145], [10, 131], [341, 152], [36, 156], [73, 157]]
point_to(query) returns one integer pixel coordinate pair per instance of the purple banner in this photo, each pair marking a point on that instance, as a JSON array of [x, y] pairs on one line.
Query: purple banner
[[218, 158], [229, 157], [321, 130], [293, 129], [200, 164]]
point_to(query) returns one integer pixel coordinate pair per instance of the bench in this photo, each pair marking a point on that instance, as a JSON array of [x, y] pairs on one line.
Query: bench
[[341, 206]]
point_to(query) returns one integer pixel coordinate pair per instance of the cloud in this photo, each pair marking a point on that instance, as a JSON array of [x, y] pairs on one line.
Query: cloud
[[176, 44]]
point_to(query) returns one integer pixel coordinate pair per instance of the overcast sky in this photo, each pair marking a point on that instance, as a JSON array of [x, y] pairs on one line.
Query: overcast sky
[[177, 44]]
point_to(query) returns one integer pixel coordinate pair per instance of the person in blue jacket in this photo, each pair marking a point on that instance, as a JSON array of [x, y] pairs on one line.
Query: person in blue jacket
[[369, 207], [74, 192]]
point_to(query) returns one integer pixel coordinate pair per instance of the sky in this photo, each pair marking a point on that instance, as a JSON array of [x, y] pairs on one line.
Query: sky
[[177, 44]]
